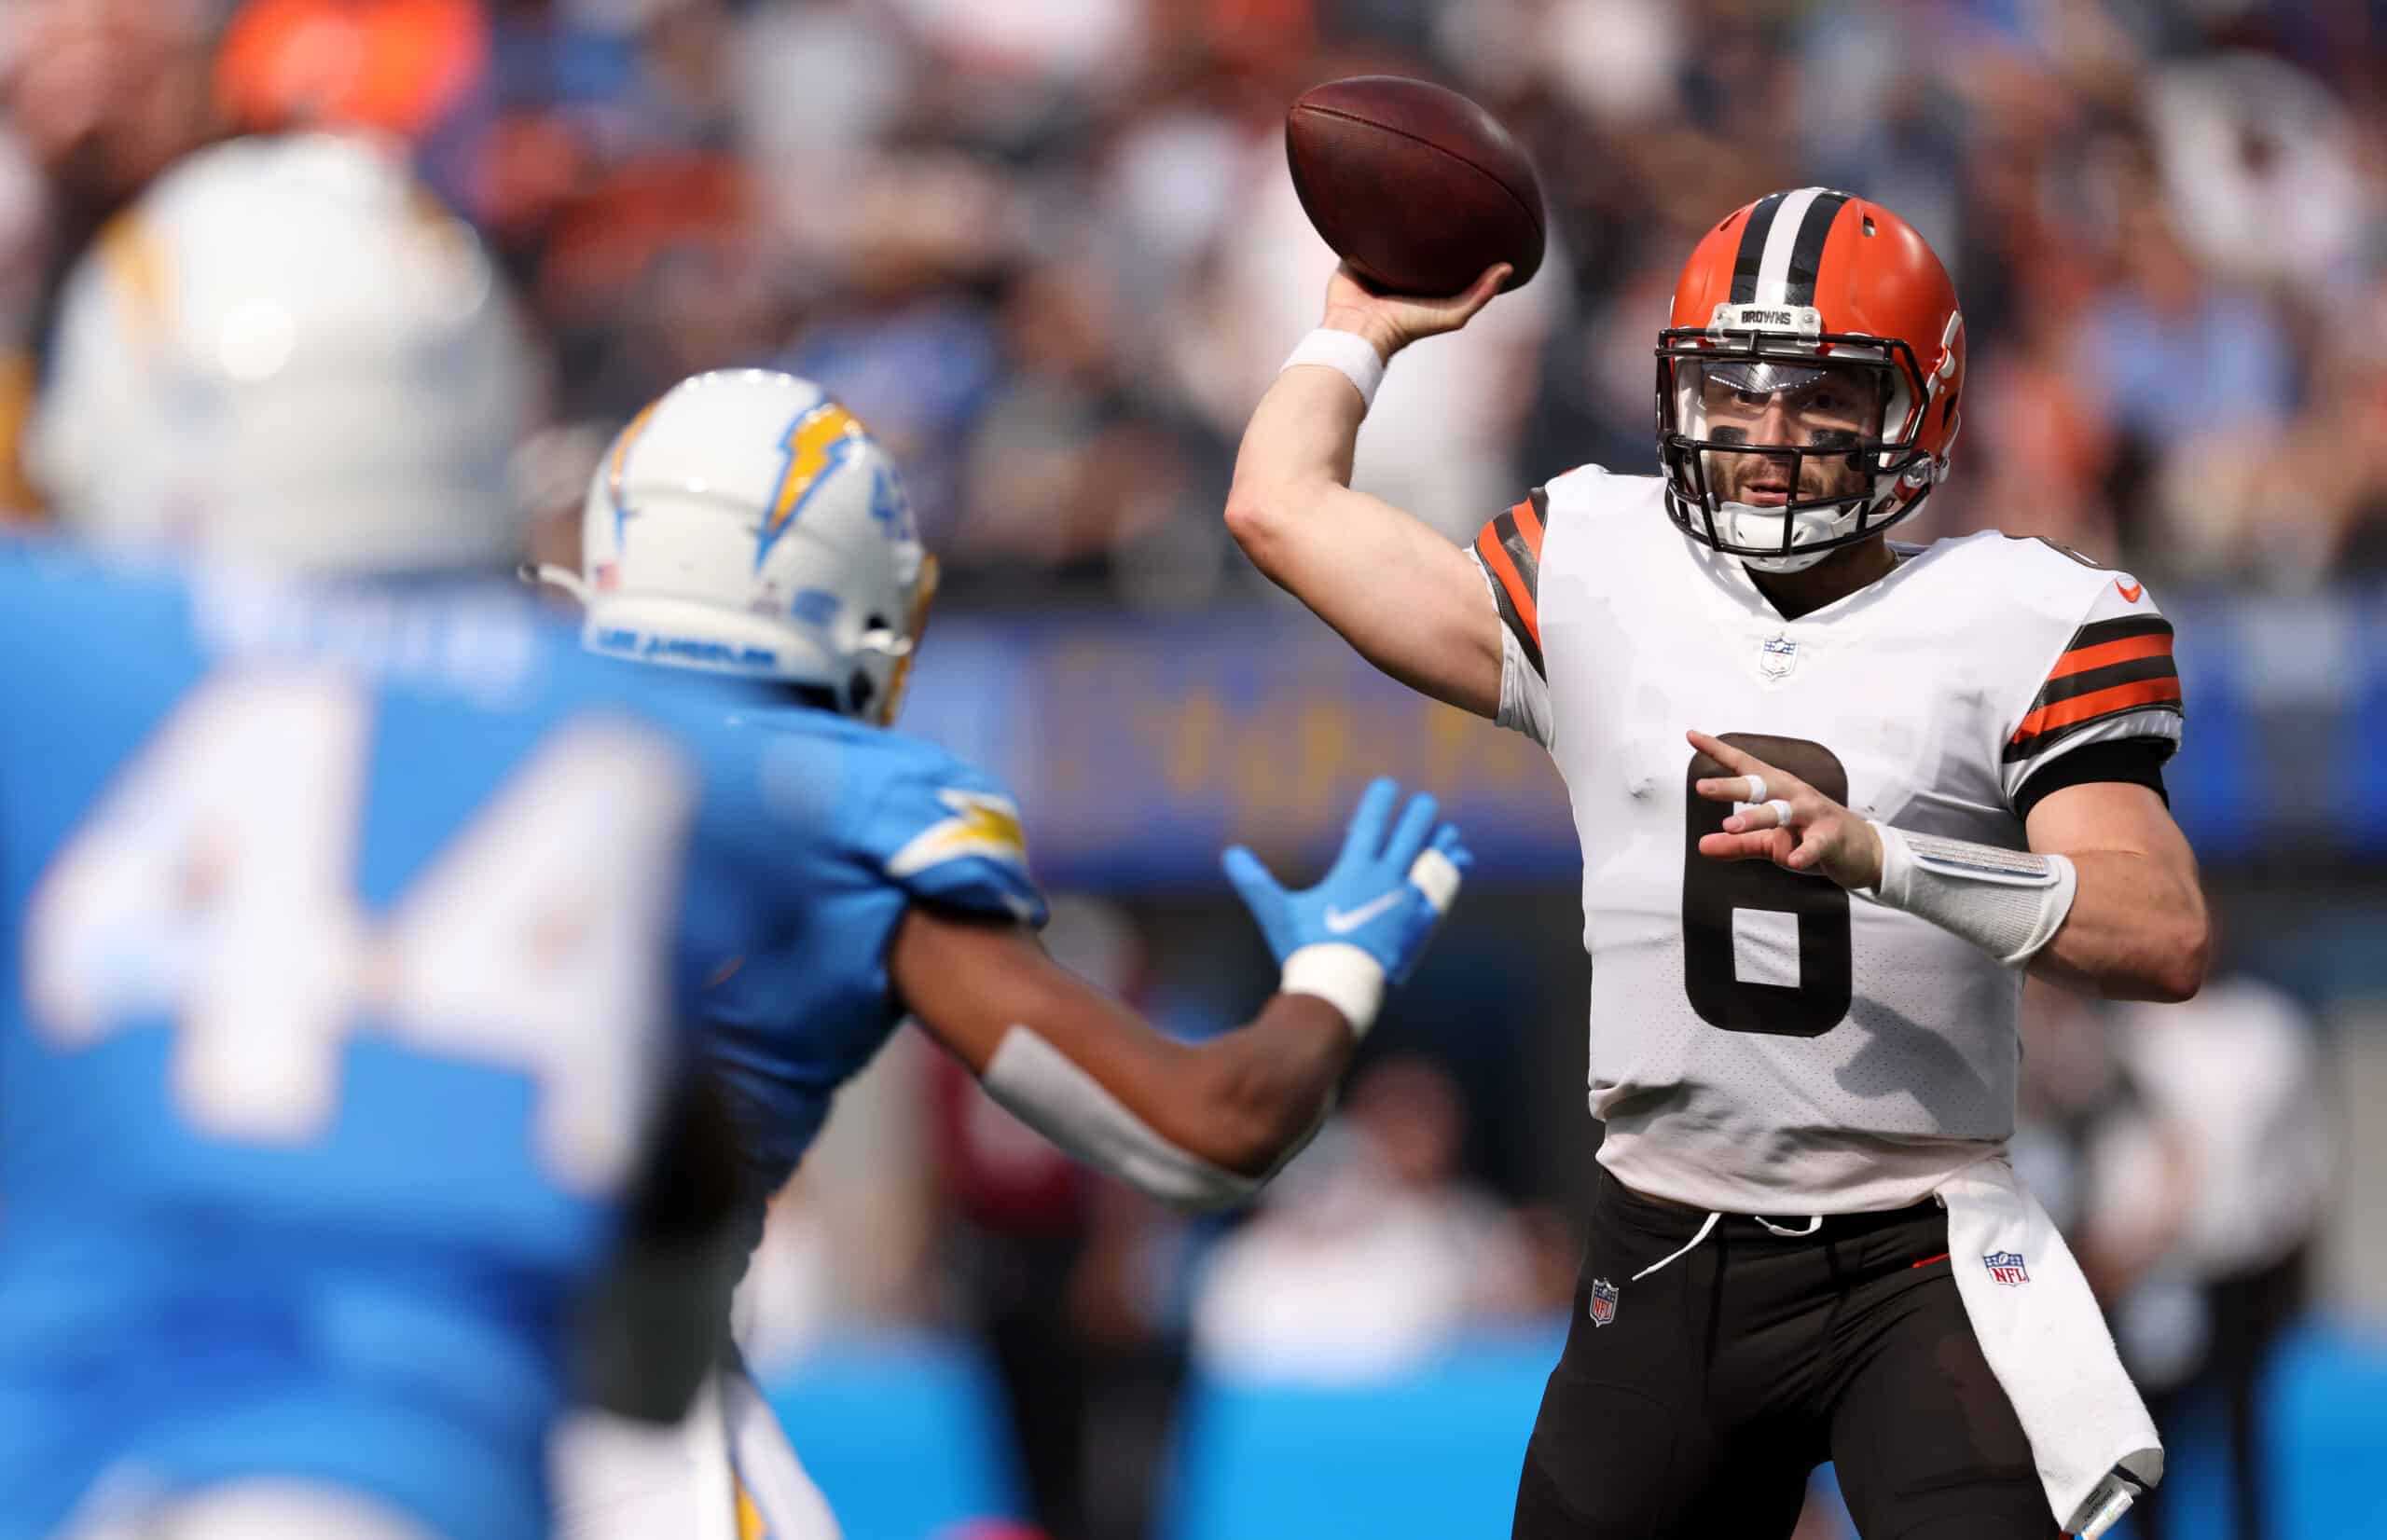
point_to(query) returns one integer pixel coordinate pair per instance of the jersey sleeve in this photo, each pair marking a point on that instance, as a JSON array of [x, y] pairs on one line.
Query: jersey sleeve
[[946, 833], [1508, 552], [2113, 680]]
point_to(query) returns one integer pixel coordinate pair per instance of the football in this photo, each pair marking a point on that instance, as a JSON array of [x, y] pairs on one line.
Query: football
[[1415, 187]]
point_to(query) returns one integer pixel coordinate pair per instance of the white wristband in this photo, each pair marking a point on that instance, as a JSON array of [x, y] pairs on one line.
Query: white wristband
[[1348, 353], [2007, 902], [1341, 975]]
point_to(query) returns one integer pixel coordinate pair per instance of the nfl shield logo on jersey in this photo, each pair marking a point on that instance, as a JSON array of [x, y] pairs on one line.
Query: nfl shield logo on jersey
[[1777, 656], [2006, 1267], [1603, 1302]]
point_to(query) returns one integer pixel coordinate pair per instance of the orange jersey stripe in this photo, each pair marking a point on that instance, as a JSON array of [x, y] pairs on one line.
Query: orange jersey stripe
[[1496, 556], [1529, 524], [2082, 659], [2098, 703]]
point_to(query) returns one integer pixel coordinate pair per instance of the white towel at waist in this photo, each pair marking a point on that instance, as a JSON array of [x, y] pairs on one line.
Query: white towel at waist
[[2047, 1343]]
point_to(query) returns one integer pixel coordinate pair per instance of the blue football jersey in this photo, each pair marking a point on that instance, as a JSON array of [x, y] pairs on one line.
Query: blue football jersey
[[899, 821], [347, 934]]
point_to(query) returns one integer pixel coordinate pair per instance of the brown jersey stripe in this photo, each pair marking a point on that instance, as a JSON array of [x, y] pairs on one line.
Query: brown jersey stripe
[[2098, 632], [2082, 660], [1519, 534], [2114, 665], [2088, 682], [2054, 723], [1512, 587], [2043, 742], [1532, 514], [2100, 703]]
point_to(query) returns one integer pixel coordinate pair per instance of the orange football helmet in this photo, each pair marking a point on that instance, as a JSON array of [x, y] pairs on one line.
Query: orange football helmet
[[1783, 292]]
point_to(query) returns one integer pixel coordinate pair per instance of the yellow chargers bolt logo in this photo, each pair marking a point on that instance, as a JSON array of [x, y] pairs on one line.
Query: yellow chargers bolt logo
[[983, 824], [812, 446]]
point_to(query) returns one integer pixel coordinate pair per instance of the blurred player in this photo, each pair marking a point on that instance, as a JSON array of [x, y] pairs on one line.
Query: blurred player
[[744, 526], [1807, 933], [330, 1043], [335, 1036]]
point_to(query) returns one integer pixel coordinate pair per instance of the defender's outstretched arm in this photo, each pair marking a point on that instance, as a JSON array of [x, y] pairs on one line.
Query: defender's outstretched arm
[[1085, 1069], [1196, 1124]]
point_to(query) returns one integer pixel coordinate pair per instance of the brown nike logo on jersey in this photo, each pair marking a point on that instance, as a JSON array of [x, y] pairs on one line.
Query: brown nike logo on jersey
[[2130, 593]]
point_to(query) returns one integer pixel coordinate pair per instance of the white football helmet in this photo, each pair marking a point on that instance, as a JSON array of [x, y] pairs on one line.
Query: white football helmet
[[288, 352], [745, 523]]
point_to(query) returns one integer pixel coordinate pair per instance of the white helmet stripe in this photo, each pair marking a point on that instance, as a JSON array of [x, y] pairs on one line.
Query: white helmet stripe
[[1773, 268]]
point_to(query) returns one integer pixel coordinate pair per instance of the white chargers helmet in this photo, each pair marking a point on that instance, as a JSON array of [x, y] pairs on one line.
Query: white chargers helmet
[[287, 352], [745, 523]]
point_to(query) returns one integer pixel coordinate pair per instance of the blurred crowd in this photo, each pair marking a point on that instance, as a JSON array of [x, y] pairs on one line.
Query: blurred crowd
[[1047, 250]]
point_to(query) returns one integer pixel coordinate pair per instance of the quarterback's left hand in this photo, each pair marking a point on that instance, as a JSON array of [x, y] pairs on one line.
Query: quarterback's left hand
[[1794, 826]]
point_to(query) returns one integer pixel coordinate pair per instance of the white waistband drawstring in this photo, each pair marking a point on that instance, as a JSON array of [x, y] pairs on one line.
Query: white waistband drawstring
[[1815, 1223], [1706, 1225]]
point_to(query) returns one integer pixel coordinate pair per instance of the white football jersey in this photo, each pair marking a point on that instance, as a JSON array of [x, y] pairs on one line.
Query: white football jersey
[[1762, 1042]]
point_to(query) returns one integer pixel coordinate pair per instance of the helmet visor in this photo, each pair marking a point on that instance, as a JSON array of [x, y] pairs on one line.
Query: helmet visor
[[1772, 403]]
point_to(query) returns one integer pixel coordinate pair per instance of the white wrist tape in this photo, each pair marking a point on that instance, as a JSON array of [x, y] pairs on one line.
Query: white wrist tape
[[2007, 902], [1341, 975], [1438, 877], [1349, 354]]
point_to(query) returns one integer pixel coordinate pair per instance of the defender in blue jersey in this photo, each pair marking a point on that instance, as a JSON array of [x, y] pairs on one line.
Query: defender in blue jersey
[[330, 1047], [332, 1043], [746, 528], [335, 1022]]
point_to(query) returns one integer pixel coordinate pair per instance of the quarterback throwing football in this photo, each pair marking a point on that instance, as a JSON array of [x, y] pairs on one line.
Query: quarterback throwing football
[[1835, 796]]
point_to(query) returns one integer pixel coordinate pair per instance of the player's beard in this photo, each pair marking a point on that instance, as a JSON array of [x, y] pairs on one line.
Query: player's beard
[[1760, 525]]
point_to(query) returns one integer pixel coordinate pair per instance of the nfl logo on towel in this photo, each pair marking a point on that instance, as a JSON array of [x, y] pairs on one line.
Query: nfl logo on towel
[[2006, 1267], [1603, 1302], [1777, 656]]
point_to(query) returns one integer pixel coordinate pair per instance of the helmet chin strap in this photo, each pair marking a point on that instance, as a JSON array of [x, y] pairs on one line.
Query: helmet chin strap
[[1750, 525], [554, 577], [1773, 566]]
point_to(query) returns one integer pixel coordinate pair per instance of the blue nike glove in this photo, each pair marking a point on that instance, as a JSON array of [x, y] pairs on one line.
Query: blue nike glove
[[1368, 920]]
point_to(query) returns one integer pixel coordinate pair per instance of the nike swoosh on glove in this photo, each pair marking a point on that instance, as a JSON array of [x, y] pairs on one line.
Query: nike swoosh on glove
[[1378, 905]]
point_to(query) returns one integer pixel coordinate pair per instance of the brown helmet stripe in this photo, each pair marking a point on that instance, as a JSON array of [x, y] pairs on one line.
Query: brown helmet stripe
[[1751, 255], [1807, 255]]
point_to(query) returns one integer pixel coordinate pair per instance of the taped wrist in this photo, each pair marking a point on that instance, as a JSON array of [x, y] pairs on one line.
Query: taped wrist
[[1348, 353], [1341, 975], [2007, 902]]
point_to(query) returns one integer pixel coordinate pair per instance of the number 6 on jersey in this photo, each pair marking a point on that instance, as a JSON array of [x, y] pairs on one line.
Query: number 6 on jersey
[[1715, 892]]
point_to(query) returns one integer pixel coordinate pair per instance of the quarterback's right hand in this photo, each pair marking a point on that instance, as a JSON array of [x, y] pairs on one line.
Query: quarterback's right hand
[[1392, 322], [1374, 909]]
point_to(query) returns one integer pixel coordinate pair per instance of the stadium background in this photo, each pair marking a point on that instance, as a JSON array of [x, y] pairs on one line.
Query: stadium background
[[1047, 249]]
